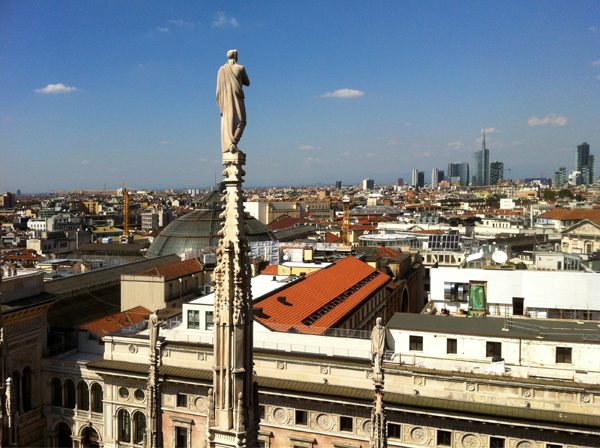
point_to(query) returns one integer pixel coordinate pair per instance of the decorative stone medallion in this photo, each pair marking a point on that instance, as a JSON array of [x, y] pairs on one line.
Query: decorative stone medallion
[[419, 380], [280, 415], [471, 387], [324, 370], [132, 348], [418, 435], [201, 405], [366, 427], [281, 365], [471, 441], [585, 398], [527, 393], [325, 422], [525, 444], [201, 356]]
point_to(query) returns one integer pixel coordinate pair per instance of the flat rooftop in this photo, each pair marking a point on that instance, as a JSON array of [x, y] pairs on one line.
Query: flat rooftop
[[515, 328], [261, 285]]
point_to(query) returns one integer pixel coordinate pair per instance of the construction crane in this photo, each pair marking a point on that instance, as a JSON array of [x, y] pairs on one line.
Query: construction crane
[[346, 220]]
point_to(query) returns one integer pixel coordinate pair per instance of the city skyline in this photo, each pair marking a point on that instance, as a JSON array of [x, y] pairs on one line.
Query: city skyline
[[100, 94]]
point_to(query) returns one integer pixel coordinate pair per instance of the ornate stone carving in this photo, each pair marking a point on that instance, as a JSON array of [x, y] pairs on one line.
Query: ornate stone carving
[[470, 441], [201, 405], [324, 370], [281, 365], [132, 348], [471, 387], [280, 415], [419, 435], [525, 444], [324, 422]]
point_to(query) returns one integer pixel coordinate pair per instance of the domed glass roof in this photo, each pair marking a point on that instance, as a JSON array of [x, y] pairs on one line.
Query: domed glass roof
[[199, 229]]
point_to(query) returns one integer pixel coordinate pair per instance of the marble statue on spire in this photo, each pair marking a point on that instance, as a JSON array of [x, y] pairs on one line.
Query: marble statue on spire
[[378, 436], [230, 99]]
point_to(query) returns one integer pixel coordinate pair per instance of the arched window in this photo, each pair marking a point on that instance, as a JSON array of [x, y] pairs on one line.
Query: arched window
[[96, 398], [26, 389], [16, 382], [69, 394], [139, 427], [63, 436], [83, 396], [124, 428], [56, 392]]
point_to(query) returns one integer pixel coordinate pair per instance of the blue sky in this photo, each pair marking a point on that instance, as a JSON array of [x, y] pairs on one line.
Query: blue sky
[[98, 93]]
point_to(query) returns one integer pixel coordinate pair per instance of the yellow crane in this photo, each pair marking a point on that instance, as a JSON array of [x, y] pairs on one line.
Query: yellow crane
[[346, 220]]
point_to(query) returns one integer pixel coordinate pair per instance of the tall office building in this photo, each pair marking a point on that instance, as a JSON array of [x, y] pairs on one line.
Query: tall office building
[[417, 178], [436, 177], [338, 184], [584, 163], [459, 170], [496, 172], [560, 177], [368, 184], [481, 170], [400, 182]]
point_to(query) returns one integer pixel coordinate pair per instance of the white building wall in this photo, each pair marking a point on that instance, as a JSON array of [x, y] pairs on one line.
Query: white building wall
[[540, 289]]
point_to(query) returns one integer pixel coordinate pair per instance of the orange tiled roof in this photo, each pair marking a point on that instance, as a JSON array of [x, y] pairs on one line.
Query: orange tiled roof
[[314, 292], [175, 270], [331, 238], [388, 252], [576, 214], [113, 322], [271, 269], [284, 222]]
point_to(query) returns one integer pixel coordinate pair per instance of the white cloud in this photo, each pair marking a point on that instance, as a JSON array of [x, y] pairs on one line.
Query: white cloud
[[222, 20], [53, 89], [85, 162], [163, 29], [393, 141], [408, 124], [596, 62], [311, 160], [455, 144], [593, 29], [598, 77], [490, 130], [308, 147], [180, 23], [344, 93], [163, 142], [554, 120]]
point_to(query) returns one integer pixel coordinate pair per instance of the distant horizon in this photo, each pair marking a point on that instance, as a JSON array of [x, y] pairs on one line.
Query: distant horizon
[[112, 92]]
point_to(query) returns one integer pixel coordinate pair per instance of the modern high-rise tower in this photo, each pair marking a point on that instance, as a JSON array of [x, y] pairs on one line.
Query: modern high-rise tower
[[496, 172], [584, 163], [459, 170], [417, 178], [481, 170]]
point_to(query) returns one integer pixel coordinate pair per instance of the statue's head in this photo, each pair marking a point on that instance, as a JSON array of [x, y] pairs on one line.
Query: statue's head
[[232, 54], [378, 321]]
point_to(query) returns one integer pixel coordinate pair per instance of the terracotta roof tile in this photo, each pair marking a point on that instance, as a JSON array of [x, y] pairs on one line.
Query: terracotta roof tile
[[288, 309], [331, 238], [577, 214], [175, 270], [113, 322], [271, 269]]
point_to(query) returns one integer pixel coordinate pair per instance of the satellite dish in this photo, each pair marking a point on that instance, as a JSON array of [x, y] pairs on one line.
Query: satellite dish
[[286, 257], [500, 257], [475, 256]]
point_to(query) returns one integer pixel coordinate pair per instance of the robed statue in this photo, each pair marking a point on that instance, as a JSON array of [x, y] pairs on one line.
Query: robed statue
[[377, 348], [230, 99]]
